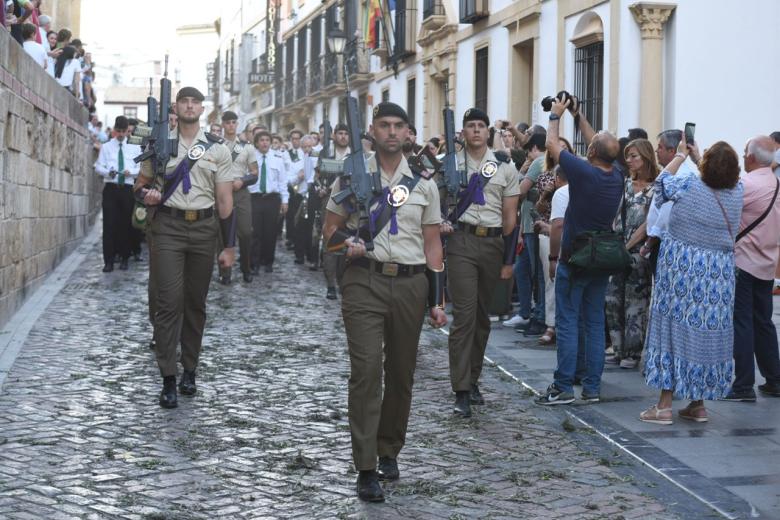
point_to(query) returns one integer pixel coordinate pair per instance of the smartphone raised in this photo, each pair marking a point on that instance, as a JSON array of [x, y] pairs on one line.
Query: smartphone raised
[[690, 130]]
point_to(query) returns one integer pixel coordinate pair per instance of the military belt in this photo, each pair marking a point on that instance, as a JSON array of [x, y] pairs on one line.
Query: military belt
[[190, 215], [481, 231], [389, 268]]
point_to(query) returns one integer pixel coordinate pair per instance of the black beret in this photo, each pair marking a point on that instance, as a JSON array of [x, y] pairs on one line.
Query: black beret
[[132, 121], [475, 114], [388, 109], [538, 140], [340, 127], [190, 92], [229, 115], [121, 123]]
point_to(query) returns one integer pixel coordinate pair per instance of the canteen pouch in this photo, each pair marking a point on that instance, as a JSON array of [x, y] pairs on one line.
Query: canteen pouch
[[599, 253], [138, 219]]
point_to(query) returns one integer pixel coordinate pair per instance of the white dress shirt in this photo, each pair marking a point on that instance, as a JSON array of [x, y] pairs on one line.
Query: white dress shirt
[[108, 161], [276, 178], [658, 218], [309, 163]]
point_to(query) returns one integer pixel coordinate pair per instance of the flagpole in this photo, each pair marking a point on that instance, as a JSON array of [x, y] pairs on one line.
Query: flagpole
[[392, 58]]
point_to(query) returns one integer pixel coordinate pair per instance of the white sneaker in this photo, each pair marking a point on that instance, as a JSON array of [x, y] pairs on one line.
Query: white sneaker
[[516, 320], [629, 363]]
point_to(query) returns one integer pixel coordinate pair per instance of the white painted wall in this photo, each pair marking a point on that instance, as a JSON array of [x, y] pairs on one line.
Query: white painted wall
[[726, 73]]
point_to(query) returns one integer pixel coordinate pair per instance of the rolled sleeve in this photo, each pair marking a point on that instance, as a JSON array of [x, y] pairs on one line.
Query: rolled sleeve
[[432, 212]]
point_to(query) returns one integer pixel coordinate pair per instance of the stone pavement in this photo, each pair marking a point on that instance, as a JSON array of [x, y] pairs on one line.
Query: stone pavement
[[729, 462], [82, 436]]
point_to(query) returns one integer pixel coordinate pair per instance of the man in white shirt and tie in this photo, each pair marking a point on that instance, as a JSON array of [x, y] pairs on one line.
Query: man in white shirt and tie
[[295, 167], [269, 201], [115, 164], [304, 249]]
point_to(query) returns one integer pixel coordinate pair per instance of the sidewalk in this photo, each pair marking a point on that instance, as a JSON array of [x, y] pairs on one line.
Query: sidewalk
[[730, 462], [82, 436]]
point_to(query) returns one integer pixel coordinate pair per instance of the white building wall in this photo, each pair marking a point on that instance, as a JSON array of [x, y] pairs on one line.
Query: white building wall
[[630, 71], [548, 57], [726, 70]]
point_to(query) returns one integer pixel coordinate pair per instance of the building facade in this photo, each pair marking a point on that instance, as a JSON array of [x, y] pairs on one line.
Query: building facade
[[633, 64]]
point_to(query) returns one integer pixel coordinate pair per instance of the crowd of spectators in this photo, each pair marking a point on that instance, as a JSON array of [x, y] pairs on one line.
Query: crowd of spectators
[[64, 57]]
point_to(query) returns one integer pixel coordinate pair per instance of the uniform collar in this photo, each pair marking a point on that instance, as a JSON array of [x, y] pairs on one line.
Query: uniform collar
[[403, 167], [489, 156]]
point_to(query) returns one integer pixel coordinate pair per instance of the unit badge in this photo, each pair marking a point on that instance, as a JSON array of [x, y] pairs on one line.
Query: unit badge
[[489, 169], [196, 152], [398, 196]]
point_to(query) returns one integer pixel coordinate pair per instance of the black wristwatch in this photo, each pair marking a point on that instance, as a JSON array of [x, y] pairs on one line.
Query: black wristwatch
[[551, 258], [554, 117]]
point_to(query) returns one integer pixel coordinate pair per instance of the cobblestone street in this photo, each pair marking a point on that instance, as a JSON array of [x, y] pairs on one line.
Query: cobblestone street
[[82, 435]]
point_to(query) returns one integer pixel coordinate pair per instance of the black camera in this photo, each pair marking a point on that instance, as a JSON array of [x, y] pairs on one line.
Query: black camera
[[548, 101]]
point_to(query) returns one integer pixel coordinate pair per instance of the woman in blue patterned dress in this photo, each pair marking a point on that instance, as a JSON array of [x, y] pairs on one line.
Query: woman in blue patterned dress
[[690, 336]]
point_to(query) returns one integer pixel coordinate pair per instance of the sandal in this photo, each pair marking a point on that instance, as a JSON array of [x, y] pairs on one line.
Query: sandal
[[694, 413], [548, 338], [657, 415]]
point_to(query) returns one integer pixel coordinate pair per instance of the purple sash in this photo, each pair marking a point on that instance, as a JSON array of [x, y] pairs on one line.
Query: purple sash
[[473, 194], [181, 175]]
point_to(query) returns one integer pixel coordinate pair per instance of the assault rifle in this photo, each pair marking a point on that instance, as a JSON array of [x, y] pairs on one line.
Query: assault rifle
[[357, 182], [159, 147], [454, 179], [142, 133]]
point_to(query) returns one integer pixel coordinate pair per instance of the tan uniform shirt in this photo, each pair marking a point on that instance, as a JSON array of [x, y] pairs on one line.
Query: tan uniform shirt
[[215, 166], [420, 209], [244, 160], [505, 183]]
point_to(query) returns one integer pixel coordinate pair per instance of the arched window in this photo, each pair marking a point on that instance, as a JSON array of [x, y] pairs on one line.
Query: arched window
[[588, 43]]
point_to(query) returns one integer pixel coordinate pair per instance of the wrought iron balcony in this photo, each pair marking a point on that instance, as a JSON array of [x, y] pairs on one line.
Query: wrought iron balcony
[[472, 11], [279, 91], [300, 83], [315, 75], [433, 15]]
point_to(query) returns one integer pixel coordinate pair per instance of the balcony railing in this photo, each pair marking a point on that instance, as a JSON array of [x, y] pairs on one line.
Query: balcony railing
[[472, 11], [332, 70], [300, 83], [315, 75], [288, 88], [279, 91]]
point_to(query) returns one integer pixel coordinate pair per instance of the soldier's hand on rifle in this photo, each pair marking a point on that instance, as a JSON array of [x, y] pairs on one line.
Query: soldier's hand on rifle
[[438, 318], [356, 248], [506, 272], [237, 185], [445, 228], [152, 197], [227, 257], [283, 208], [112, 173]]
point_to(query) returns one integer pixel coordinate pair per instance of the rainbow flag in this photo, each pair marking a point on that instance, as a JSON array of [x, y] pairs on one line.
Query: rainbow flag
[[372, 17]]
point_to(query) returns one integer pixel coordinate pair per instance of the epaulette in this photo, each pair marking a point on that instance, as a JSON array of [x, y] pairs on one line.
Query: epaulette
[[502, 156], [214, 138]]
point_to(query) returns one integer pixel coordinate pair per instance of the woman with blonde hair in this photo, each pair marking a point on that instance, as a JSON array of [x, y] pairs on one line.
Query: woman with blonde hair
[[628, 295]]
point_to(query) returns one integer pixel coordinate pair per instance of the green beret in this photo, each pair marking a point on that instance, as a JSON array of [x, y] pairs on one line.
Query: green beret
[[475, 114], [387, 109]]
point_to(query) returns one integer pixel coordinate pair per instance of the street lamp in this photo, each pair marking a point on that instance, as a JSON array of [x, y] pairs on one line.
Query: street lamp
[[336, 41]]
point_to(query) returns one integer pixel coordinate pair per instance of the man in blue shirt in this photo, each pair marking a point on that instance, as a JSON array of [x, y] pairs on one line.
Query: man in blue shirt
[[595, 192]]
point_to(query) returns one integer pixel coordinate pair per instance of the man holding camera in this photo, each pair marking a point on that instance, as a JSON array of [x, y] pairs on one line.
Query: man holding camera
[[480, 250], [596, 189], [115, 164]]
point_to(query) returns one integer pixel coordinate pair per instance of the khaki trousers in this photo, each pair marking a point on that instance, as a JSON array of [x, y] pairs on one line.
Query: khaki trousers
[[182, 263], [381, 315], [333, 265], [473, 269]]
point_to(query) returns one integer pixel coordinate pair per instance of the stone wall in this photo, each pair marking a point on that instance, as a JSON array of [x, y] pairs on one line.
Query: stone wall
[[49, 195]]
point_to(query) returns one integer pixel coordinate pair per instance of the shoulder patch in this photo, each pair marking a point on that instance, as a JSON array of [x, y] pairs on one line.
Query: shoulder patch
[[420, 172], [214, 138], [502, 156]]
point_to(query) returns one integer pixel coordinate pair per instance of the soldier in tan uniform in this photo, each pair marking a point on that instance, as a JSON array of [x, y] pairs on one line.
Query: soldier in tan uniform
[[384, 294], [480, 249], [184, 232], [333, 262], [245, 173]]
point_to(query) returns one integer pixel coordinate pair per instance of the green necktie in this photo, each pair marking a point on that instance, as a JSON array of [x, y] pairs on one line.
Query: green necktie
[[262, 176], [121, 166]]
